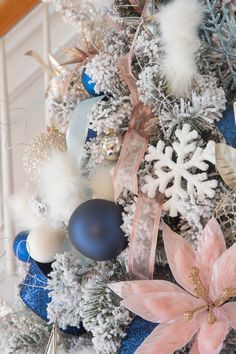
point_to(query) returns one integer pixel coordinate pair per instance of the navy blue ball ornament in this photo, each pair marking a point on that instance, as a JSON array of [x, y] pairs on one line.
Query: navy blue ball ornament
[[19, 247], [94, 230], [89, 85]]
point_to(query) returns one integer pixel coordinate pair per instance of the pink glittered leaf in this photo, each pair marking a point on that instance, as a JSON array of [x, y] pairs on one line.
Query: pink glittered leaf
[[211, 336], [181, 257], [195, 349], [126, 289], [166, 339], [211, 245], [161, 307], [224, 272], [230, 310]]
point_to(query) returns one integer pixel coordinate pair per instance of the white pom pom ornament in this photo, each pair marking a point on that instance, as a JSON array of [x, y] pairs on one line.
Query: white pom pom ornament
[[44, 242]]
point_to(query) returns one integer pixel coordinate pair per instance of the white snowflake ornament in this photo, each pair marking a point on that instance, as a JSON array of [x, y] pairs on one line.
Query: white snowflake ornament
[[176, 170]]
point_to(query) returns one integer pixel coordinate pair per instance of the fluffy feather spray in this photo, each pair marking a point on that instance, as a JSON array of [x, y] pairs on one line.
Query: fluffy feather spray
[[22, 214], [60, 185], [179, 24]]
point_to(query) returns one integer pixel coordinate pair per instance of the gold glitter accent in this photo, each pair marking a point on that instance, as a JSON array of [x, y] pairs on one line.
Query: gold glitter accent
[[39, 149], [226, 295], [201, 293], [188, 315], [211, 318]]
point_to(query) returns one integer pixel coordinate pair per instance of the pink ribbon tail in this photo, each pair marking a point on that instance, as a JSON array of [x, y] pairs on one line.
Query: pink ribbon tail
[[136, 138], [144, 236], [126, 168], [128, 77]]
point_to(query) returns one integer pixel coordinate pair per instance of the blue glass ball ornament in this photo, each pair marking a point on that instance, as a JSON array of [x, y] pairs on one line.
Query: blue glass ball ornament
[[94, 230], [227, 126], [19, 247], [89, 85]]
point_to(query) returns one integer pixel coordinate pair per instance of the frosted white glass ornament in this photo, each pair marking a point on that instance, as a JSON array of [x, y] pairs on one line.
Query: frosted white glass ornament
[[44, 242]]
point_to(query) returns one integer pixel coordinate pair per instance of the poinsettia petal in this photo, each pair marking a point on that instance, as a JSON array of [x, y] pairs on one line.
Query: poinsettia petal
[[211, 336], [195, 349], [161, 307], [224, 272], [137, 287], [211, 245], [181, 257], [230, 310], [167, 338]]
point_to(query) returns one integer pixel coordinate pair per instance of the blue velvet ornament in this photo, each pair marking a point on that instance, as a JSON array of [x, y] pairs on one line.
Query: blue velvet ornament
[[137, 331], [94, 230], [89, 85], [19, 247], [227, 126]]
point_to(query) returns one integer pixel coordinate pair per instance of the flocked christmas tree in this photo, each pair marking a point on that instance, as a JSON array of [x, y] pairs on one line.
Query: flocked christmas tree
[[175, 63]]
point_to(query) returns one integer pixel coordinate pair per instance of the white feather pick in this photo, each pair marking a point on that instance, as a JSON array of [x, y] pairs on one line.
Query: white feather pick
[[22, 214], [179, 23], [60, 185]]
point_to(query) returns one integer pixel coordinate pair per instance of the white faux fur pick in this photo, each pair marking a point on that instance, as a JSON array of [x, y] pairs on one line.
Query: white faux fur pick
[[179, 23], [60, 185]]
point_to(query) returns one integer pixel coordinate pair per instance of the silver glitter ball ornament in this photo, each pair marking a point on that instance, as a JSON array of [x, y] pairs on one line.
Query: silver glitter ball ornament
[[110, 147]]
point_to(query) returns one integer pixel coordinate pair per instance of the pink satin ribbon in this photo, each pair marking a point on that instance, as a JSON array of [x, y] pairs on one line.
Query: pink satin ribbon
[[144, 236]]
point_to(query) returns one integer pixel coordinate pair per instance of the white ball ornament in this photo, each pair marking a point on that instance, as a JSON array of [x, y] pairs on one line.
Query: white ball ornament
[[44, 242]]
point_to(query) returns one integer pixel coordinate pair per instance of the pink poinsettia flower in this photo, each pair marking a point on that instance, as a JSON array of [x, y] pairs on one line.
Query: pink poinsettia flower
[[199, 307]]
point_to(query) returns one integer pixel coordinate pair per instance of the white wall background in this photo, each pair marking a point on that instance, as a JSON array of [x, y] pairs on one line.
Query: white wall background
[[26, 95]]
